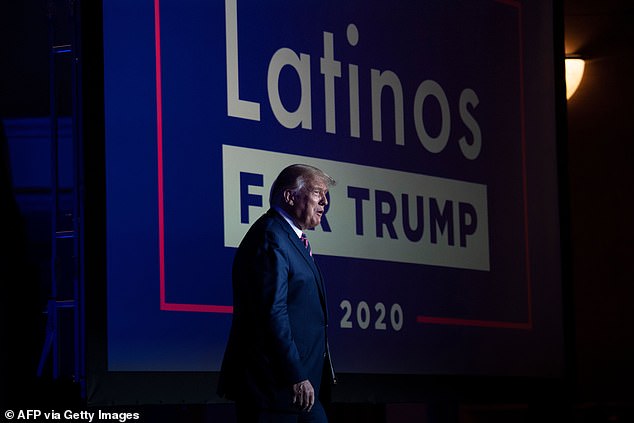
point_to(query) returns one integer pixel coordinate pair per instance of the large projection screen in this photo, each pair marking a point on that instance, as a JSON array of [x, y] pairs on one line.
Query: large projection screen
[[441, 245]]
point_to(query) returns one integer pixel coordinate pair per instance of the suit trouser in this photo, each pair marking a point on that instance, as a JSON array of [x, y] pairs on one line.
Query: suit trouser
[[247, 413]]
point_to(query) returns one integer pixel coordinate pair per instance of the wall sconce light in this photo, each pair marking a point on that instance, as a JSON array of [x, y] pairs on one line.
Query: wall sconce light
[[574, 73]]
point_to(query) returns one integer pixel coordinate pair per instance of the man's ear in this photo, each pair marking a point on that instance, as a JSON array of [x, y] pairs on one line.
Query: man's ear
[[289, 197]]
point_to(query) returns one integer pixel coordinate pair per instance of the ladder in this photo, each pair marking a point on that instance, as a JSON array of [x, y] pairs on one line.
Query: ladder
[[64, 308]]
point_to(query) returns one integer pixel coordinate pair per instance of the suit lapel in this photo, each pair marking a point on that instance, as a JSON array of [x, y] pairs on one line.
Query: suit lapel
[[309, 260], [297, 243]]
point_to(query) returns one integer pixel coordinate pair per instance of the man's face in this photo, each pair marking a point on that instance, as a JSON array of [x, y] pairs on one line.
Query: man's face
[[308, 205]]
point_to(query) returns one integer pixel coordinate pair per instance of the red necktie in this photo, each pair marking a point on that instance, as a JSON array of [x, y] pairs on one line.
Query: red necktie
[[306, 244]]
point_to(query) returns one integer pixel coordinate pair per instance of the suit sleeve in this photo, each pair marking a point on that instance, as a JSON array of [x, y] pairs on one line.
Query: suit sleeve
[[271, 269]]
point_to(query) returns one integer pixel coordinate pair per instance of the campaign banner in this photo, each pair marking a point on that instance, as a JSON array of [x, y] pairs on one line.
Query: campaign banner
[[418, 109]]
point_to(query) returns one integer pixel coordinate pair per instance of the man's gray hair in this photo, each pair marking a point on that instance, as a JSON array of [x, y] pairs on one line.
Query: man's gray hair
[[294, 178]]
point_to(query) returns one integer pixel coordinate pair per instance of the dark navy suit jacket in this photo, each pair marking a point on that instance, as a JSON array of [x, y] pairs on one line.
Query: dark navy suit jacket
[[278, 331]]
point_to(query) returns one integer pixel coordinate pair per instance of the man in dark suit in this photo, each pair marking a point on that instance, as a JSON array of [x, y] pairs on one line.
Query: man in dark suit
[[278, 350]]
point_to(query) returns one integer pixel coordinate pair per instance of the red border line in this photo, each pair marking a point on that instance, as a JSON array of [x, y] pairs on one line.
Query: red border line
[[159, 147], [529, 293], [528, 325], [476, 323], [164, 305], [196, 308]]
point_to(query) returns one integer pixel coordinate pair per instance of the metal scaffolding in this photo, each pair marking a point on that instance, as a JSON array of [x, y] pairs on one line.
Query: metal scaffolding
[[63, 346]]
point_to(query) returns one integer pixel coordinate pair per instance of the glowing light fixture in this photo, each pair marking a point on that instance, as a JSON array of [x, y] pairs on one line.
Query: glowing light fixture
[[574, 74]]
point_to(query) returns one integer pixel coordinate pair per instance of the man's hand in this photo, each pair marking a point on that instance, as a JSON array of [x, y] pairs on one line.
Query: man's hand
[[304, 395]]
